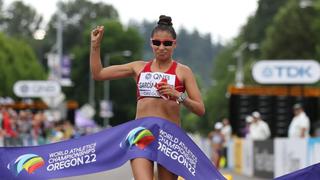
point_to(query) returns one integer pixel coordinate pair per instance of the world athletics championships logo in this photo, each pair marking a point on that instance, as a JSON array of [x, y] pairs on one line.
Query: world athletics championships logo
[[140, 136], [29, 162]]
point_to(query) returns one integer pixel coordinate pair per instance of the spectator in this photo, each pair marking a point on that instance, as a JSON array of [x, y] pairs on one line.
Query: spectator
[[246, 130], [258, 130], [27, 128], [1, 131], [38, 131], [226, 131], [8, 127], [24, 127], [300, 124], [217, 140]]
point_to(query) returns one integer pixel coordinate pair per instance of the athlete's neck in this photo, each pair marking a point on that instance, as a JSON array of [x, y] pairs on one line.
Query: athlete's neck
[[162, 64]]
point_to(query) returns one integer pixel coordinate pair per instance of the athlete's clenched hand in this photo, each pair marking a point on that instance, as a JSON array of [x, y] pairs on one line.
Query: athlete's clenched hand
[[96, 36]]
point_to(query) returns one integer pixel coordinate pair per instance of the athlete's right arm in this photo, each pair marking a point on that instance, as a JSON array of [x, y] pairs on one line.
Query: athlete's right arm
[[110, 72]]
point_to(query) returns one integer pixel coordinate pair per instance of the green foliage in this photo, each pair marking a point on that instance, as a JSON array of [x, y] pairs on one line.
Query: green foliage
[[122, 92], [20, 20], [77, 15], [217, 97], [17, 62], [79, 18], [190, 122], [292, 35], [198, 52], [255, 29], [253, 32], [193, 49], [316, 26], [283, 30]]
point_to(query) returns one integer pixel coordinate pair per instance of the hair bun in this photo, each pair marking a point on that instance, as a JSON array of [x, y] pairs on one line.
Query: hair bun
[[165, 20]]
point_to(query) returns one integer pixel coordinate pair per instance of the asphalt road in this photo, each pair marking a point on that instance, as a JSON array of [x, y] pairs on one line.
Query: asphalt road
[[124, 173]]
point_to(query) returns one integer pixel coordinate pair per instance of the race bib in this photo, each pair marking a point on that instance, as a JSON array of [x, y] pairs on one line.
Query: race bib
[[148, 80]]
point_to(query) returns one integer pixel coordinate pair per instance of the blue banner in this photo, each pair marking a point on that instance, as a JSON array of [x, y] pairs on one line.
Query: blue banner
[[153, 138], [313, 151], [308, 173]]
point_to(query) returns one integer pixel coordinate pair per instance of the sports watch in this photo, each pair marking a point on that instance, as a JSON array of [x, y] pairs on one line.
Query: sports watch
[[181, 98]]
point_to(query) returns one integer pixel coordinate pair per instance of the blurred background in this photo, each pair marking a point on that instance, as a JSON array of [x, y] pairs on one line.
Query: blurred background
[[267, 64]]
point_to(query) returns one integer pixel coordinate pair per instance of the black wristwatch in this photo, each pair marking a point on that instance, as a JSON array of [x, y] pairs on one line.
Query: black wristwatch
[[181, 98]]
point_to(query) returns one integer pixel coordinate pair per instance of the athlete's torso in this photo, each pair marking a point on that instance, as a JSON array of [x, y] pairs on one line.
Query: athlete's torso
[[149, 102], [147, 80]]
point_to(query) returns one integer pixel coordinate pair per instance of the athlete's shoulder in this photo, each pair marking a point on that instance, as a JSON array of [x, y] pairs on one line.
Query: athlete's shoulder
[[139, 63], [183, 67]]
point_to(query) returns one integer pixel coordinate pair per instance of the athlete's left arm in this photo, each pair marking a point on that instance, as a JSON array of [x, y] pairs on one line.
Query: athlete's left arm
[[194, 101]]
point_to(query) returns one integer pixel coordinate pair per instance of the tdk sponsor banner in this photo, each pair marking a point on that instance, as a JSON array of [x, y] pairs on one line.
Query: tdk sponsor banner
[[286, 71], [152, 138]]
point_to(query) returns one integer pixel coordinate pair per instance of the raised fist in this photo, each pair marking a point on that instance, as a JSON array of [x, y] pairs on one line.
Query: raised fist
[[96, 36]]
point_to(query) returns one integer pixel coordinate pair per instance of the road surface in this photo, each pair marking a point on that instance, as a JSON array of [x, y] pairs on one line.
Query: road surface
[[124, 173]]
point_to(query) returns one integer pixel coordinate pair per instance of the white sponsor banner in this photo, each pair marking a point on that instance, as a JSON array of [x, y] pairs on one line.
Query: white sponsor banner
[[286, 71], [290, 155], [247, 157], [35, 88]]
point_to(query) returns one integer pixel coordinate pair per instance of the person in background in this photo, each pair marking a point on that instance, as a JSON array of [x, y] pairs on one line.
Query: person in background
[[226, 131], [8, 127], [259, 129], [216, 140], [300, 124], [246, 130], [25, 127], [1, 130]]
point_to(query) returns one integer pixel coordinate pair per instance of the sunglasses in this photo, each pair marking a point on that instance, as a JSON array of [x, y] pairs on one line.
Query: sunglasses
[[157, 42]]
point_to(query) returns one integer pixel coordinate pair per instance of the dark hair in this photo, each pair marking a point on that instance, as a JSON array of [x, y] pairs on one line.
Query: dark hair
[[165, 24]]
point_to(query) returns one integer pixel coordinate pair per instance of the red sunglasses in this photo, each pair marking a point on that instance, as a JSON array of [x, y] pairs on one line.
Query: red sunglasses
[[157, 42]]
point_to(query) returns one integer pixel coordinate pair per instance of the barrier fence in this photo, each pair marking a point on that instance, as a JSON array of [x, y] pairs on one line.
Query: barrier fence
[[267, 159], [272, 158]]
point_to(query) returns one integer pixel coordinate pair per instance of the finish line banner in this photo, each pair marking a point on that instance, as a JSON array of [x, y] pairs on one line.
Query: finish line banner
[[152, 138]]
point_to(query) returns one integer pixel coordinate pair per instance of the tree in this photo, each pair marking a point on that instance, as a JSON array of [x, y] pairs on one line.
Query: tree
[[292, 34], [194, 49], [20, 20], [254, 31], [79, 17], [18, 62], [122, 92], [76, 16], [316, 25], [217, 97]]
